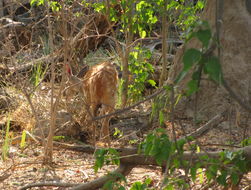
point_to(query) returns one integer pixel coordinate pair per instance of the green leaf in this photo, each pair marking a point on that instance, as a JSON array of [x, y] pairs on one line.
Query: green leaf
[[192, 87], [164, 152], [241, 164], [193, 172], [119, 176], [196, 75], [213, 69], [161, 118], [191, 57], [137, 186], [121, 187], [211, 171], [200, 5], [155, 148], [152, 83], [148, 181], [32, 2], [169, 187], [100, 158], [204, 36], [142, 33], [235, 178], [181, 143], [37, 2], [222, 179], [108, 185]]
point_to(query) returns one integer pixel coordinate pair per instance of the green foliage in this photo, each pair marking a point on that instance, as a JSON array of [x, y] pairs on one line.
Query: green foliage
[[199, 61], [185, 14], [105, 156], [38, 73], [118, 133], [142, 15], [58, 138], [158, 145], [140, 70], [139, 17], [246, 142], [54, 5], [230, 164], [141, 186], [191, 57], [160, 106], [111, 184], [144, 18], [37, 2], [213, 69]]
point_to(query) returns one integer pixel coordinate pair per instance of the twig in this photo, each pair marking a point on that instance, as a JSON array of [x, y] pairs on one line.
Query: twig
[[203, 129]]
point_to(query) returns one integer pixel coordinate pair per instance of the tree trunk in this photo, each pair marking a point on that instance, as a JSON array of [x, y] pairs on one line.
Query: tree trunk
[[235, 38], [1, 8], [163, 75], [125, 59]]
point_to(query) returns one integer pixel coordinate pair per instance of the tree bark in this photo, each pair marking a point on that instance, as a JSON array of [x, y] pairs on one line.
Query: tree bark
[[234, 38], [1, 8], [163, 75]]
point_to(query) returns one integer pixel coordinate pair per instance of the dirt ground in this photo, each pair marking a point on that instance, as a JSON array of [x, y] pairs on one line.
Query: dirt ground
[[25, 167]]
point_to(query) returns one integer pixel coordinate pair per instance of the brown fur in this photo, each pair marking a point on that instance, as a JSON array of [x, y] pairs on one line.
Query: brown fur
[[99, 87]]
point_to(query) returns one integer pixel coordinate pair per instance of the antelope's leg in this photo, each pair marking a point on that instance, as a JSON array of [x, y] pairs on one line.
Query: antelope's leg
[[105, 126], [94, 110]]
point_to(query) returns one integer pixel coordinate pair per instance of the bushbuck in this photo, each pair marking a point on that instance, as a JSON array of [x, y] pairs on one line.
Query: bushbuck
[[98, 85]]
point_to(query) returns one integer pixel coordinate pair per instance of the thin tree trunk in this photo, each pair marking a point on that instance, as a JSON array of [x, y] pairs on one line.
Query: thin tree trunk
[[163, 75], [49, 144], [125, 58], [1, 9]]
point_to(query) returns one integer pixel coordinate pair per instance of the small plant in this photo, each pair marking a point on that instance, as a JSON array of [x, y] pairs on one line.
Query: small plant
[[23, 140], [54, 5], [141, 186], [58, 138], [230, 165], [185, 14], [158, 145], [246, 142], [140, 70], [200, 61], [159, 106], [111, 185], [105, 156], [118, 133], [38, 74]]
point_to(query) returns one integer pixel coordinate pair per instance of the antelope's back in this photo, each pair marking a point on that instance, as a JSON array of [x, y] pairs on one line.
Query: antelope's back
[[101, 83]]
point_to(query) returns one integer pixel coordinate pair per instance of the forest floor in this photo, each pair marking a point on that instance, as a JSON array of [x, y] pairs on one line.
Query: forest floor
[[23, 167]]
